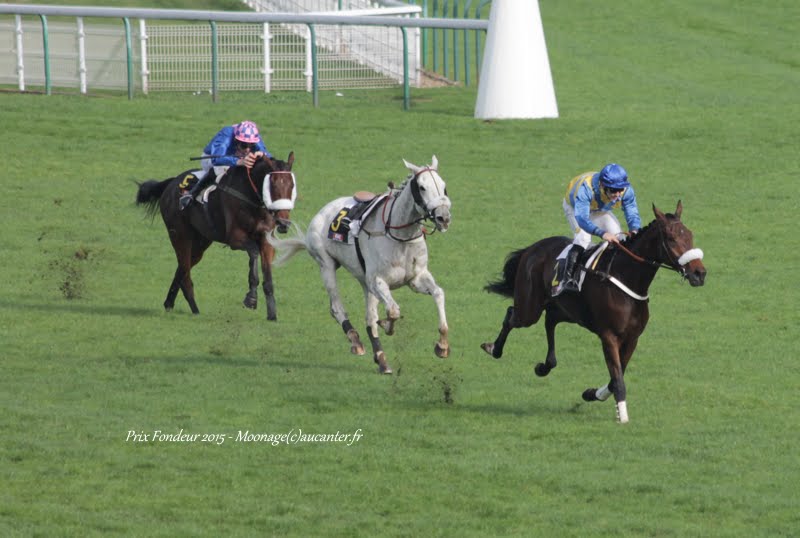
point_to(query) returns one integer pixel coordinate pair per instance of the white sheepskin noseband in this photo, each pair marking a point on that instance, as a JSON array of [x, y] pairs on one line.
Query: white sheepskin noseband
[[283, 203]]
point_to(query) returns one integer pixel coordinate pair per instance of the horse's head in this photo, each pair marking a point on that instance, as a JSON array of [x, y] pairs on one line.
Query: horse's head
[[677, 245], [280, 190], [430, 193]]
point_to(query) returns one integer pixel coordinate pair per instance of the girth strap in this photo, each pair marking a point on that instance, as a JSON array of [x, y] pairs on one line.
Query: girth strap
[[360, 255]]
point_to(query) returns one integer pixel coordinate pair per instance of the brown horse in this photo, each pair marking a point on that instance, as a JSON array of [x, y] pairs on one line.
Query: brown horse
[[245, 205], [612, 302]]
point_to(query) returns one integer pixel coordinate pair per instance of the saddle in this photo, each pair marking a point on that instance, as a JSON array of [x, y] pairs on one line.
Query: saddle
[[345, 226]]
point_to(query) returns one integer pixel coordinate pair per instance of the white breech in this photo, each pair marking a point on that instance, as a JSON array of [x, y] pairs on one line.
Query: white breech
[[603, 219], [218, 170]]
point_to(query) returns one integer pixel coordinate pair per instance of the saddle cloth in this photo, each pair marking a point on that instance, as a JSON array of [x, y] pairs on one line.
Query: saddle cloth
[[345, 226]]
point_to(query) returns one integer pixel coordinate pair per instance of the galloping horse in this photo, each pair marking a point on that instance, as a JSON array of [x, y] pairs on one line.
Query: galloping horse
[[389, 251], [245, 205], [612, 302]]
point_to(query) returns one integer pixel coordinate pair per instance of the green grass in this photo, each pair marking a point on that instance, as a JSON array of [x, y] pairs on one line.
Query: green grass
[[698, 102]]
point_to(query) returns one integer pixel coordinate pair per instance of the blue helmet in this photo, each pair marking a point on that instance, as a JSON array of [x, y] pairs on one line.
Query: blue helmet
[[614, 176]]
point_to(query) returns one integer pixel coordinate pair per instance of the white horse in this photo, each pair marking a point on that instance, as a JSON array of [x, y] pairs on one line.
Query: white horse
[[389, 251]]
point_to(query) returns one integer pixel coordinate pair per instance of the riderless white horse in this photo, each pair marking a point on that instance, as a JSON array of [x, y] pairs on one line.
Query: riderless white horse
[[384, 247]]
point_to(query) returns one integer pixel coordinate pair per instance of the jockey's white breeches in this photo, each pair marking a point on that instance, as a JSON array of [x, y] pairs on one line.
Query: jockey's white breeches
[[603, 219], [218, 170]]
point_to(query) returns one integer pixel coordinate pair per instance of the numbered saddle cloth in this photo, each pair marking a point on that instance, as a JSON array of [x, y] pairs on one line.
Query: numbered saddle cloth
[[345, 226]]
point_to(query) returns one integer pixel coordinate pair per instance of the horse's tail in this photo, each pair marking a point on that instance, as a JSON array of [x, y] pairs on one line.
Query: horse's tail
[[288, 247], [505, 285], [149, 194]]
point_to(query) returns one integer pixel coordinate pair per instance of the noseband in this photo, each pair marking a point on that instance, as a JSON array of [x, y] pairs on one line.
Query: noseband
[[283, 204]]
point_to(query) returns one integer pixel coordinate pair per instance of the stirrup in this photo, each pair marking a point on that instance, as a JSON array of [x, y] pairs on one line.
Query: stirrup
[[571, 285]]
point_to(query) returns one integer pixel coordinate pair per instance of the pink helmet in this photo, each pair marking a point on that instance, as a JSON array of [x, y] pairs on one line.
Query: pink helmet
[[246, 132]]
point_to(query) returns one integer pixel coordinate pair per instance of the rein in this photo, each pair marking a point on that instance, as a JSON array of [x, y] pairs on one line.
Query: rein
[[652, 263], [388, 227]]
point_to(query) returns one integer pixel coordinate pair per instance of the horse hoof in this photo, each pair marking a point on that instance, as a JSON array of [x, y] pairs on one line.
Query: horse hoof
[[441, 352], [272, 317], [542, 369], [383, 366], [488, 347], [250, 302], [387, 325], [589, 395], [357, 349]]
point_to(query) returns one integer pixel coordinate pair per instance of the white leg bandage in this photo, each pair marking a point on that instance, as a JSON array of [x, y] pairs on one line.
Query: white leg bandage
[[602, 393], [622, 412]]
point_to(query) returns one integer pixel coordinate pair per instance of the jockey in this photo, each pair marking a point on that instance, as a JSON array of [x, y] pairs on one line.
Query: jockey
[[587, 205], [233, 145]]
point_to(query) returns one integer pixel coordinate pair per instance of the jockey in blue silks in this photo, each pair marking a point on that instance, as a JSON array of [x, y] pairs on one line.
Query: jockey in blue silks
[[588, 205], [233, 145]]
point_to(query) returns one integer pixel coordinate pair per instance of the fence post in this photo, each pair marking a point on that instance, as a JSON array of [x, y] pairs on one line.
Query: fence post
[[466, 45], [455, 42], [214, 64], [406, 91], [48, 84], [478, 61], [314, 73], [143, 53], [81, 55], [20, 56], [129, 55], [267, 59]]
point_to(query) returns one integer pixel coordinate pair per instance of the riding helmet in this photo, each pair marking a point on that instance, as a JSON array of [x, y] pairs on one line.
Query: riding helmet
[[246, 132], [614, 176]]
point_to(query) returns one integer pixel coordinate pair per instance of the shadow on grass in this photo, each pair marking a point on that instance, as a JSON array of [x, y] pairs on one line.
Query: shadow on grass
[[76, 308]]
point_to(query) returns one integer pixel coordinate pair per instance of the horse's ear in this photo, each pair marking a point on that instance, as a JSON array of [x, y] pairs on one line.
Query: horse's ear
[[435, 163], [413, 167], [290, 160], [659, 215], [679, 209]]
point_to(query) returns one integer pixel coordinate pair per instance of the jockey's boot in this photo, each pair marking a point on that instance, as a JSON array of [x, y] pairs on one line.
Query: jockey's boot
[[570, 269], [186, 199]]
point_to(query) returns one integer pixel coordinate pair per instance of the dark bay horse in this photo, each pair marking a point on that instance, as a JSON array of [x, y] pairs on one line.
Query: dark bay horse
[[613, 300], [245, 205]]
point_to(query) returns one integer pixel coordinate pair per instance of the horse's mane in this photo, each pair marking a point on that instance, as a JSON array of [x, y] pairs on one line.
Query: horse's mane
[[631, 240]]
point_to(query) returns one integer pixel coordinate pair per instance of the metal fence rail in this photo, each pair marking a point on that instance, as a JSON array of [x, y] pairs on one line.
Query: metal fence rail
[[223, 53]]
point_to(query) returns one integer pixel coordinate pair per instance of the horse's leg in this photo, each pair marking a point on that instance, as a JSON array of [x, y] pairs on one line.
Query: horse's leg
[[527, 310], [328, 272], [199, 246], [381, 290], [267, 254], [495, 349], [424, 283], [251, 298], [185, 263], [372, 331], [611, 350], [602, 393], [169, 302], [552, 318]]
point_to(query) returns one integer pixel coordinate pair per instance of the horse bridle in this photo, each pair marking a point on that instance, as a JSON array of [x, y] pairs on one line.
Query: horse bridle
[[419, 202], [679, 265]]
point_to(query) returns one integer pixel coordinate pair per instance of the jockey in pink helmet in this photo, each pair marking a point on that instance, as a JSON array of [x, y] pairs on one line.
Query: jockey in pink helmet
[[233, 145]]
